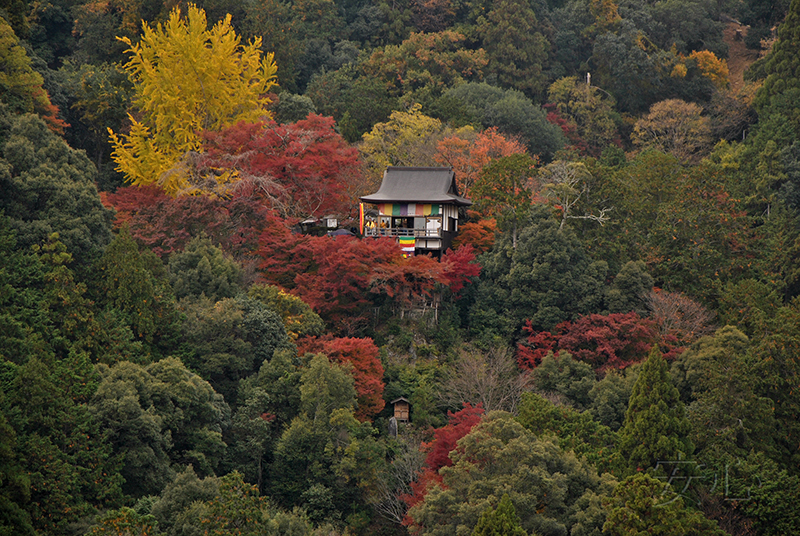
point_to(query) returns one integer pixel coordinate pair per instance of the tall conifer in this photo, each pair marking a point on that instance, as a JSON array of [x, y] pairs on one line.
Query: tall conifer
[[655, 429], [501, 521], [782, 65]]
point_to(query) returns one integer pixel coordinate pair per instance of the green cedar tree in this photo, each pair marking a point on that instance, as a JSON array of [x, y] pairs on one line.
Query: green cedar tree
[[656, 429], [644, 505], [202, 268], [500, 521], [780, 66]]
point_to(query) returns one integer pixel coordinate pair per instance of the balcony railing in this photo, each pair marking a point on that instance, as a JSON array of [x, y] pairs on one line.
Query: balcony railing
[[401, 231]]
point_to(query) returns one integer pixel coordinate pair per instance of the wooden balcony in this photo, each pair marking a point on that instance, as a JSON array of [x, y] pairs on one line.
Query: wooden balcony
[[401, 231]]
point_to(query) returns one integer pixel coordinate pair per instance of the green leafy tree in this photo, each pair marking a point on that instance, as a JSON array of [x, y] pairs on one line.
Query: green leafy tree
[[157, 416], [728, 419], [498, 457], [178, 496], [307, 450], [748, 305], [98, 97], [560, 374], [547, 278], [638, 73], [325, 457], [356, 102], [59, 442], [44, 309], [194, 413], [776, 367], [516, 49], [770, 493], [130, 283], [576, 431], [280, 377], [644, 505], [16, 487], [500, 521], [274, 23], [238, 509], [291, 108], [656, 429], [202, 268], [780, 65], [188, 79], [700, 234], [424, 65], [253, 433], [610, 396], [49, 188], [517, 116], [514, 115], [215, 343], [688, 26], [630, 289]]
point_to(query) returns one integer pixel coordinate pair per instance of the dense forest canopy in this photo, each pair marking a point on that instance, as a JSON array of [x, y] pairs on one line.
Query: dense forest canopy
[[612, 345]]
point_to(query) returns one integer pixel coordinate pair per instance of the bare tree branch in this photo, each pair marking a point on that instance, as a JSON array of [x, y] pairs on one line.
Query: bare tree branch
[[490, 378], [565, 183], [395, 482]]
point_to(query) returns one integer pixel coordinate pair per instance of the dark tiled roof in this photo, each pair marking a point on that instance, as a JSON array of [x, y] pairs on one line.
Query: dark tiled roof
[[418, 185]]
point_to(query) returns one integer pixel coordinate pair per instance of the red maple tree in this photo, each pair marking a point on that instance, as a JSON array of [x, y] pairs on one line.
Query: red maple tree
[[366, 368], [460, 267], [409, 282], [613, 341], [165, 224], [331, 274], [301, 168], [445, 440]]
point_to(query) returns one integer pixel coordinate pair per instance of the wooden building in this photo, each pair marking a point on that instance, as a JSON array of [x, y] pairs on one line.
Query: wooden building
[[402, 409], [418, 206]]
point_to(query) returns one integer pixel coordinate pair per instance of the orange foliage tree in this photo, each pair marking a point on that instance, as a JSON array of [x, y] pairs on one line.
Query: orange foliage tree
[[468, 153], [712, 67], [478, 233]]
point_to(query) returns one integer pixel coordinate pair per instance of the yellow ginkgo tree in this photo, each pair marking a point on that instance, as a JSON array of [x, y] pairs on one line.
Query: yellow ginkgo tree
[[187, 79]]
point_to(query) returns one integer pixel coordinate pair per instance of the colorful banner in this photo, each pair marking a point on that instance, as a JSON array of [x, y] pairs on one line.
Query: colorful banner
[[409, 209], [361, 219], [406, 241]]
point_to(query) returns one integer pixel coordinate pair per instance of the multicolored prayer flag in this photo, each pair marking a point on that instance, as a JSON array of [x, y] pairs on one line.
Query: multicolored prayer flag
[[409, 209]]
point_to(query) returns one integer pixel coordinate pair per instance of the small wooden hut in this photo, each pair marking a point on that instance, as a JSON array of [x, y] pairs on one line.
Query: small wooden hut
[[402, 409]]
